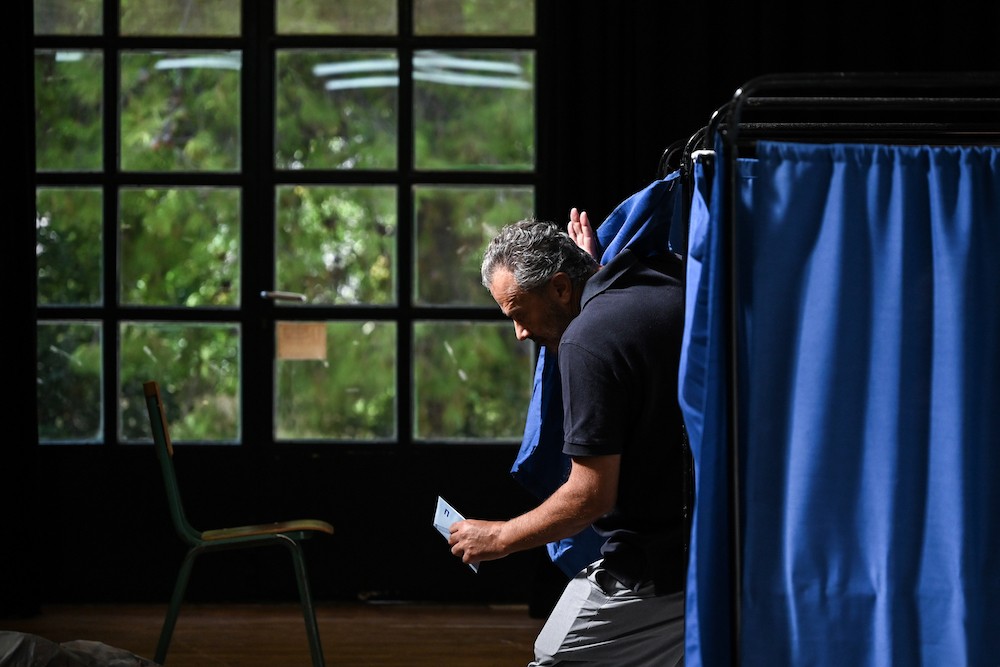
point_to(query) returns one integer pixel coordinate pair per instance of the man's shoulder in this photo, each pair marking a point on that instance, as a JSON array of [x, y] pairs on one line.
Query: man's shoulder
[[648, 288], [628, 269]]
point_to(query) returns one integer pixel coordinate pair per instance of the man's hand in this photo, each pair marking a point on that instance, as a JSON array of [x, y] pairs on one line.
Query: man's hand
[[474, 540], [581, 232], [588, 493]]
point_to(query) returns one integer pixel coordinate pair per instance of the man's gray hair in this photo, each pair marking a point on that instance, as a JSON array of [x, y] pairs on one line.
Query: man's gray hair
[[534, 251]]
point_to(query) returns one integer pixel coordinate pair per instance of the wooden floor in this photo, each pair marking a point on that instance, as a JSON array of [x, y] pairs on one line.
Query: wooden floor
[[273, 635]]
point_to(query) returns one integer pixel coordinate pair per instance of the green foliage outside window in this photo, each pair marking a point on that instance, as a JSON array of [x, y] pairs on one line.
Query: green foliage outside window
[[198, 368], [337, 245], [68, 366], [336, 109], [453, 226], [472, 380], [494, 90], [68, 245], [68, 108], [181, 245], [180, 111], [349, 394], [321, 17]]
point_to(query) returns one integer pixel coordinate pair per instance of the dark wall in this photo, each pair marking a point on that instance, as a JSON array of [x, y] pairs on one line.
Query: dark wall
[[633, 76], [629, 78], [106, 533], [18, 571]]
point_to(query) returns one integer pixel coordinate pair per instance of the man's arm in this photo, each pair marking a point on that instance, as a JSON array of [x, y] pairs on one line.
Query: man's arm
[[588, 494]]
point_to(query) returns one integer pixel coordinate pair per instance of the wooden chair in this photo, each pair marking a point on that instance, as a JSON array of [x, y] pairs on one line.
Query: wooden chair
[[284, 533]]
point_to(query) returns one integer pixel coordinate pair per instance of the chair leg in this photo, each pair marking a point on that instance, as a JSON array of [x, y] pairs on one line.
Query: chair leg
[[175, 606], [308, 611]]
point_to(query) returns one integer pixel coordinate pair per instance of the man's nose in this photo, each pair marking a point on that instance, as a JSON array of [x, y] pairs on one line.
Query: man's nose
[[521, 332]]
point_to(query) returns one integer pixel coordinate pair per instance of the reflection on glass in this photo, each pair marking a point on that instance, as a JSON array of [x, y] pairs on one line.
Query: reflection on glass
[[180, 246], [474, 17], [68, 111], [337, 244], [336, 109], [453, 226], [198, 367], [68, 245], [180, 17], [494, 91], [322, 17], [67, 17], [180, 111], [68, 382], [472, 380], [335, 382]]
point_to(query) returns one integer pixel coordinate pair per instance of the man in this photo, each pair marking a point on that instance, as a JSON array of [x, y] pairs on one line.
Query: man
[[616, 332]]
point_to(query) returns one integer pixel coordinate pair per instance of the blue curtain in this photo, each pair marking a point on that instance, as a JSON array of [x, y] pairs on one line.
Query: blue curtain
[[869, 366]]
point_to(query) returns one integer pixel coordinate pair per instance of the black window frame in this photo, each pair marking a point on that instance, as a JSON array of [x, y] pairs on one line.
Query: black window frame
[[257, 179]]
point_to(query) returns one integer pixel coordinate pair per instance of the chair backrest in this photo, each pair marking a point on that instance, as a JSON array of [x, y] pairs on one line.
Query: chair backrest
[[165, 453]]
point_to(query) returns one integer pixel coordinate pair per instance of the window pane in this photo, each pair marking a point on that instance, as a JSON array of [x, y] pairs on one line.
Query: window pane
[[471, 380], [336, 109], [68, 17], [180, 17], [335, 380], [180, 246], [453, 226], [198, 368], [321, 17], [180, 111], [68, 245], [68, 93], [494, 91], [337, 245], [474, 17], [69, 382]]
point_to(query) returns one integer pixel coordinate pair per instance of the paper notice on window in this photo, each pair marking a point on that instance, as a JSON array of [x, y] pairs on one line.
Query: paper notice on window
[[444, 516], [302, 340]]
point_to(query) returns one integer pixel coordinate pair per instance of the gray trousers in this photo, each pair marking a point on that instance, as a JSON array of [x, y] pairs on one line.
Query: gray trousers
[[598, 621]]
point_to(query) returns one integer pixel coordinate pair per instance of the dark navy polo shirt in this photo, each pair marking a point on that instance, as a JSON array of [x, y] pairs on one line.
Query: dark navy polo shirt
[[619, 360]]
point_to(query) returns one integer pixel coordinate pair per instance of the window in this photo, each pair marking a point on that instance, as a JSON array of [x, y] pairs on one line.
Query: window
[[277, 209]]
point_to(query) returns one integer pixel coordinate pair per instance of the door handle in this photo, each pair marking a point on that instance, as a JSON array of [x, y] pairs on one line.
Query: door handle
[[282, 296]]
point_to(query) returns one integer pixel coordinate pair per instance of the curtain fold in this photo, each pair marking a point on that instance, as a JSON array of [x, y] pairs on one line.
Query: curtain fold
[[869, 372]]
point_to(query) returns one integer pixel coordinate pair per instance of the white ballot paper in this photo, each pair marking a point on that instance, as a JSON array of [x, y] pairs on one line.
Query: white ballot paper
[[444, 516]]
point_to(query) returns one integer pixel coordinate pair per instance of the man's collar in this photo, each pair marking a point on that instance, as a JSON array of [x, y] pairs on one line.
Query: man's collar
[[607, 275]]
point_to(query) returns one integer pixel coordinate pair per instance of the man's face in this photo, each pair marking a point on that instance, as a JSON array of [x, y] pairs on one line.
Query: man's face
[[542, 314]]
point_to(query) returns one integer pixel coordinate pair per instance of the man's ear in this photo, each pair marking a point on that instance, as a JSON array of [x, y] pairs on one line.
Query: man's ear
[[562, 287]]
